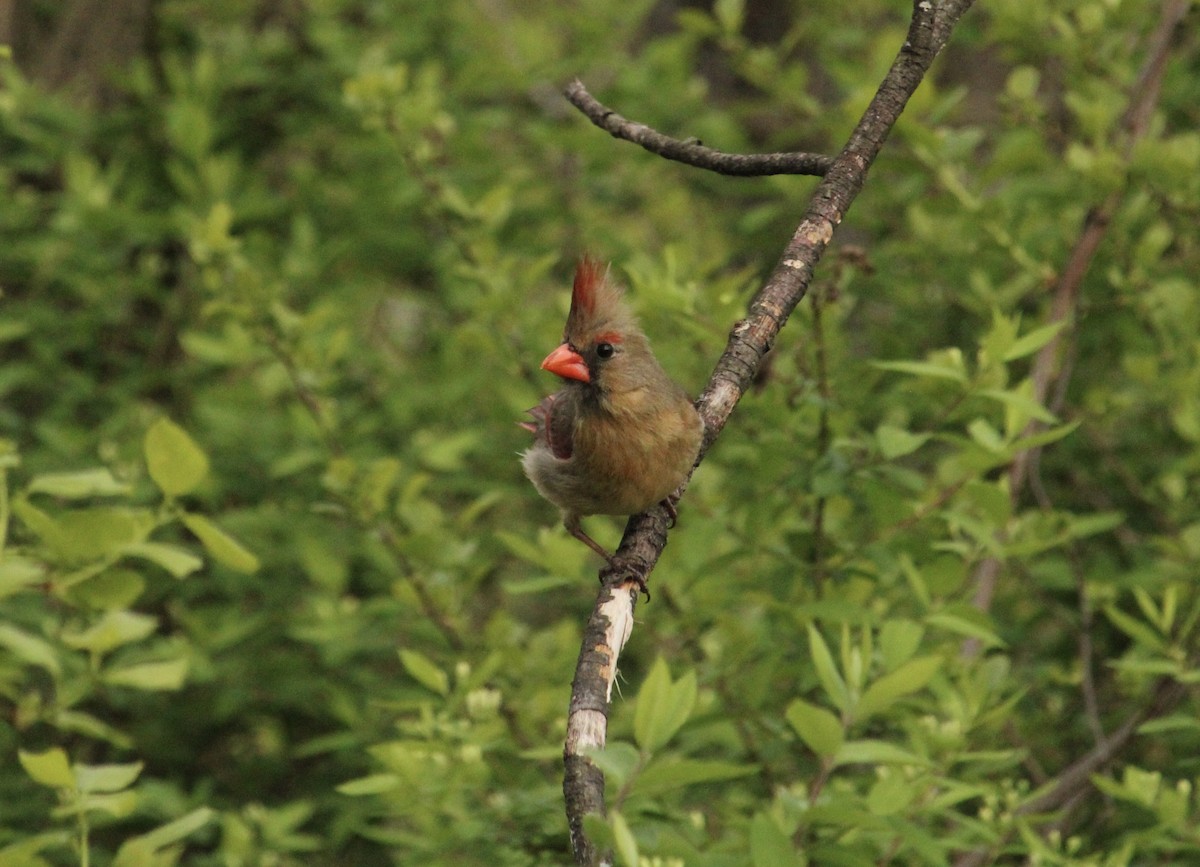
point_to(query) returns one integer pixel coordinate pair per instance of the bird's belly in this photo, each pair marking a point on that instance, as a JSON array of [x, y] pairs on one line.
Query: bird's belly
[[614, 470]]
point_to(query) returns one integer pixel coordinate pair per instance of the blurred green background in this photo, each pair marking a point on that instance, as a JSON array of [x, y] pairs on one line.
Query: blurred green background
[[276, 280]]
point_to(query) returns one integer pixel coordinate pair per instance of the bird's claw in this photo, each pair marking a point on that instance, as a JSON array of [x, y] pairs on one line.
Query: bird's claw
[[672, 513], [611, 570], [642, 587]]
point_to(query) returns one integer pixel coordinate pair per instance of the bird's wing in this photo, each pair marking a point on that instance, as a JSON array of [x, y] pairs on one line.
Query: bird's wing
[[551, 426]]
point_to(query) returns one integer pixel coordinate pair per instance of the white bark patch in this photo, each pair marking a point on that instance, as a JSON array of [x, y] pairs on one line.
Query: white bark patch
[[619, 611]]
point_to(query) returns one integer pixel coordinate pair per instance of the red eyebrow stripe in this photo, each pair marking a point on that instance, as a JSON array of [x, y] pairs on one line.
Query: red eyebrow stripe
[[609, 337]]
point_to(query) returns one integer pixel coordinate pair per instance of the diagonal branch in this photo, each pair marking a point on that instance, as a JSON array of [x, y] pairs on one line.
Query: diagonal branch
[[1065, 789], [645, 536], [692, 151], [1049, 373], [1050, 376]]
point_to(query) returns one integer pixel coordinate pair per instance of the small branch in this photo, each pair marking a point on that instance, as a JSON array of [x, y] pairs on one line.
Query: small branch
[[611, 622], [1087, 661], [1049, 373], [607, 630], [428, 604], [819, 565], [1076, 778], [692, 152]]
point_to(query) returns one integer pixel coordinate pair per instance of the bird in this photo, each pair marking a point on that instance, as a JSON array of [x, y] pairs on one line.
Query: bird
[[620, 435]]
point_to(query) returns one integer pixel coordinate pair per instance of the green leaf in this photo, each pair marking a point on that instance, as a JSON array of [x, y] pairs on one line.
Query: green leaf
[[1024, 404], [114, 629], [537, 584], [110, 589], [445, 452], [872, 752], [1044, 437], [106, 778], [137, 851], [1022, 83], [891, 795], [895, 442], [116, 804], [91, 726], [1034, 340], [729, 15], [769, 845], [906, 679], [224, 548], [24, 852], [520, 546], [626, 845], [923, 368], [1135, 629], [176, 464], [982, 432], [374, 784], [663, 706], [599, 830], [1173, 723], [425, 672], [30, 648], [18, 573], [994, 345], [83, 535], [826, 670], [1090, 525], [674, 773], [898, 641], [1144, 786], [51, 768], [617, 760], [164, 676], [961, 625], [97, 482], [818, 728], [179, 562]]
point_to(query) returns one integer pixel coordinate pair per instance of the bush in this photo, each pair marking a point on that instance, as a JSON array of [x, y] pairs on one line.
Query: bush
[[276, 592]]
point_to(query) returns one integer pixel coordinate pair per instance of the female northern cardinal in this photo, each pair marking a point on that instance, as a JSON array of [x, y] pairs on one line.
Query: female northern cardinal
[[619, 436]]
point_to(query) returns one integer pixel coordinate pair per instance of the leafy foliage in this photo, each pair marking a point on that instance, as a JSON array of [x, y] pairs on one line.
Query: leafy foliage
[[275, 591]]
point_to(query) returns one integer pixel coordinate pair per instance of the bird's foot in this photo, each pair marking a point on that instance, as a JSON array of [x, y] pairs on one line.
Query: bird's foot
[[583, 537], [609, 572], [668, 505], [611, 569]]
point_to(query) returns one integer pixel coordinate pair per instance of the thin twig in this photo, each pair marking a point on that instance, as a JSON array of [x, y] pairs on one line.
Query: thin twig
[[692, 152], [1049, 372], [429, 606], [645, 536], [1076, 778], [823, 390], [311, 403], [1087, 673]]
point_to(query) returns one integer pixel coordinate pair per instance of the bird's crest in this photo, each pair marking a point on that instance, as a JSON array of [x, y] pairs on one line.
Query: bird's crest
[[597, 305]]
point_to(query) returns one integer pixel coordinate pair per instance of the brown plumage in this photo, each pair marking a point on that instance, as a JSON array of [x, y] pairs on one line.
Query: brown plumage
[[619, 436]]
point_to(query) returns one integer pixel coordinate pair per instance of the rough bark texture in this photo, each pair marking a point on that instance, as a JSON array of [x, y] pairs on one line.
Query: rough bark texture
[[749, 341], [692, 151], [607, 630]]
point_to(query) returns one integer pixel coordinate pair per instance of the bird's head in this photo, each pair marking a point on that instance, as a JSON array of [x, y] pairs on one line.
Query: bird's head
[[602, 347]]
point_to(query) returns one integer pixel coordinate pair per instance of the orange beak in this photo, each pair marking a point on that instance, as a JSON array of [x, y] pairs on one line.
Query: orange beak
[[567, 363]]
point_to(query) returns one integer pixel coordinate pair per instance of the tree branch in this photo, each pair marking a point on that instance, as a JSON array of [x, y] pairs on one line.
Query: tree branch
[[645, 535], [1074, 780], [1049, 373], [692, 151]]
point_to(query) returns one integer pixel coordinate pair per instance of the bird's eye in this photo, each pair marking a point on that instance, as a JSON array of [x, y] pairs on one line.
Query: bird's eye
[[604, 350]]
